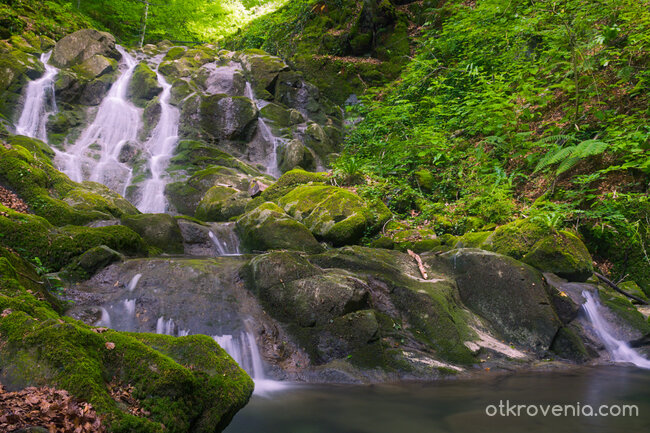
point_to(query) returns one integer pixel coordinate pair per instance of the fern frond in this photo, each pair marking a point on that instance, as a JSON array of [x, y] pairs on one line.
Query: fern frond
[[588, 148], [556, 139], [553, 157], [567, 164]]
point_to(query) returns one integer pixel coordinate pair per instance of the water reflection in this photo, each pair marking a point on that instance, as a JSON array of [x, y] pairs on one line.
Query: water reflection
[[453, 406]]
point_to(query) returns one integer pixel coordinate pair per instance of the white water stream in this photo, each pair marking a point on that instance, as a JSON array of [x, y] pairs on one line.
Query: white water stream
[[39, 103], [160, 148], [95, 154], [618, 350]]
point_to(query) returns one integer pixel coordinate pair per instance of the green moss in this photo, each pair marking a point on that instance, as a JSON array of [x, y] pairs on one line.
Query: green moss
[[625, 310], [472, 239], [143, 86], [87, 264], [290, 180], [26, 168], [221, 203], [515, 239], [268, 227], [568, 345], [334, 214], [563, 254], [158, 230], [174, 53]]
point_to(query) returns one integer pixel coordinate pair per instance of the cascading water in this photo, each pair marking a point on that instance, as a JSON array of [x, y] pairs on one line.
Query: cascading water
[[160, 148], [39, 103], [618, 350], [116, 123], [225, 239], [244, 351], [265, 134]]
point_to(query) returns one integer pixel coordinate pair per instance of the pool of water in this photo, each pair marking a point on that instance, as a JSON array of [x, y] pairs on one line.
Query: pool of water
[[456, 406]]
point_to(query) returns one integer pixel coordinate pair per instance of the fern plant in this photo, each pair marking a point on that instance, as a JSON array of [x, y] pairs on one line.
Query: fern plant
[[567, 157]]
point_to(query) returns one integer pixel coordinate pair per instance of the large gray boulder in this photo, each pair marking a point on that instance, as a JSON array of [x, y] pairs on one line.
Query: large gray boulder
[[81, 46], [509, 294], [228, 117]]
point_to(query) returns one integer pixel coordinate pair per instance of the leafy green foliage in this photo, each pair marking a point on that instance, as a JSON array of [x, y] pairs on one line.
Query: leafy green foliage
[[523, 108]]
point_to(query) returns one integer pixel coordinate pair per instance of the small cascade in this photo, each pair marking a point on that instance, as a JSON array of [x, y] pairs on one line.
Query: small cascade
[[105, 320], [168, 327], [265, 134], [39, 103], [618, 350], [225, 239], [134, 282], [243, 349], [160, 148], [116, 123]]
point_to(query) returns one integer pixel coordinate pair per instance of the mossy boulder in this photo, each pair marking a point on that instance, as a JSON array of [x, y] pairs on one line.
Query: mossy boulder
[[268, 227], [562, 253], [318, 299], [26, 168], [516, 238], [263, 71], [267, 270], [181, 383], [228, 117], [278, 115], [294, 154], [290, 180], [317, 139], [34, 236], [472, 240], [509, 294], [82, 45], [90, 262], [96, 66], [334, 214], [16, 68], [158, 230], [143, 86], [568, 345], [221, 203]]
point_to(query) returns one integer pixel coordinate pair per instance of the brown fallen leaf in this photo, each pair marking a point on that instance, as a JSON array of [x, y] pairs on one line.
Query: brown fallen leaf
[[109, 345], [99, 330]]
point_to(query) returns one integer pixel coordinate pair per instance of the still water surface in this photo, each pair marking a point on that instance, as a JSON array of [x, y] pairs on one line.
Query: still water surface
[[453, 406]]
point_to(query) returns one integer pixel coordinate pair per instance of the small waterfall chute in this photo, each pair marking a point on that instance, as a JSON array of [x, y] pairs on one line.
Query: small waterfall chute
[[618, 350], [243, 349], [160, 148], [134, 282], [225, 239], [39, 103]]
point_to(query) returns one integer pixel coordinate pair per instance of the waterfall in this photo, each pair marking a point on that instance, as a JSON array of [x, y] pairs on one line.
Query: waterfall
[[225, 239], [116, 123], [618, 350], [134, 282], [105, 320], [160, 148], [39, 103], [266, 134], [244, 351]]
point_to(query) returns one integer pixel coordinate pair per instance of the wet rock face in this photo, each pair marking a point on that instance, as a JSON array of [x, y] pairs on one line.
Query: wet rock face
[[81, 46], [158, 230], [227, 117], [509, 294]]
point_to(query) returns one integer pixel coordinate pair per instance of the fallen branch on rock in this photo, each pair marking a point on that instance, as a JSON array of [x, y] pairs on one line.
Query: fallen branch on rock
[[613, 285], [420, 265]]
